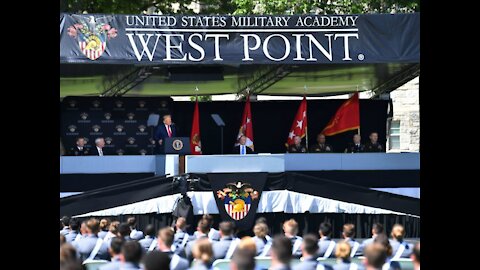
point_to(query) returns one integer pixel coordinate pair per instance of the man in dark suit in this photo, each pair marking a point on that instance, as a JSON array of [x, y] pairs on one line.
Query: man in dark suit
[[242, 148], [373, 145], [79, 149], [165, 130], [97, 150], [356, 146]]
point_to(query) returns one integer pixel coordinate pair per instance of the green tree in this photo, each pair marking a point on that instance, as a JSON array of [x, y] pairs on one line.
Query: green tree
[[203, 98], [238, 7]]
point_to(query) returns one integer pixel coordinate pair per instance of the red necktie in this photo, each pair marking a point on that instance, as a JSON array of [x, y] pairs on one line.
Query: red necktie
[[169, 131]]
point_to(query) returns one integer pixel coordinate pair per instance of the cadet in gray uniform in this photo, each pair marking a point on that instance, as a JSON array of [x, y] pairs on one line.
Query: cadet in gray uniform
[[132, 254], [65, 223], [400, 248], [115, 251], [309, 253], [261, 242], [134, 233], [326, 246], [213, 234], [149, 237], [375, 256], [243, 259], [181, 236], [104, 224], [377, 229], [72, 235], [90, 246], [281, 253], [156, 260], [348, 234], [124, 231], [342, 252], [290, 228], [221, 247], [202, 232], [164, 243]]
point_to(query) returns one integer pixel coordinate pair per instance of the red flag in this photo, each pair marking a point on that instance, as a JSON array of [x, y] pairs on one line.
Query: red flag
[[195, 143], [247, 128], [346, 118], [299, 125]]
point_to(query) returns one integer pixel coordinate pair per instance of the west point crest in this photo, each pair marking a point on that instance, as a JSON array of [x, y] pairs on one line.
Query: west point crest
[[92, 34], [237, 199]]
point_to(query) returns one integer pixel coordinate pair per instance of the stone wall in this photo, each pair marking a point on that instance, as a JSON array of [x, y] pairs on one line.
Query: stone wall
[[406, 109]]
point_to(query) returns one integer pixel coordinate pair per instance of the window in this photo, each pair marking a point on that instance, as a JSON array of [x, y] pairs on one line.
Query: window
[[394, 135]]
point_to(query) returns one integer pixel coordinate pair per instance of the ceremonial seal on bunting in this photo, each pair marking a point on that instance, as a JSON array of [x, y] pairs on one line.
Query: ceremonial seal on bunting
[[237, 199], [92, 34]]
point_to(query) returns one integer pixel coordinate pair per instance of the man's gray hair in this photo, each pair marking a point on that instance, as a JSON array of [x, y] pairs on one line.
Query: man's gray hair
[[97, 140]]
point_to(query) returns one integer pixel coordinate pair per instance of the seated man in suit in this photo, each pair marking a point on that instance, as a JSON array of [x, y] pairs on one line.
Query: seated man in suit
[[297, 147], [98, 149], [79, 149], [356, 146], [165, 130], [321, 146], [373, 145], [242, 148]]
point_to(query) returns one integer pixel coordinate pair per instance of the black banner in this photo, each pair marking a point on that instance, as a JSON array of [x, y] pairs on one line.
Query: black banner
[[237, 196], [122, 122], [222, 39]]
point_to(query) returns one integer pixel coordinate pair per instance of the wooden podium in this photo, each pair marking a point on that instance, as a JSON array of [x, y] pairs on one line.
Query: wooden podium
[[179, 146]]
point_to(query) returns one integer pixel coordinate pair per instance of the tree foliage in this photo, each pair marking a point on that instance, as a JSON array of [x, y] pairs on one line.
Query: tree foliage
[[238, 7]]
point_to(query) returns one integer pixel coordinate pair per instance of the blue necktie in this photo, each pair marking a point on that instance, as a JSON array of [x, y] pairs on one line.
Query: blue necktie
[[242, 149]]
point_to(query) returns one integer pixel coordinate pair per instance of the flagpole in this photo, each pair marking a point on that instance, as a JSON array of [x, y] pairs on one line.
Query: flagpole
[[358, 130], [306, 128]]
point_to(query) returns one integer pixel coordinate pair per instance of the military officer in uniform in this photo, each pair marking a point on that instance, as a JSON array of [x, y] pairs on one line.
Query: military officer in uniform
[[79, 149], [356, 146], [297, 147], [373, 145], [321, 146]]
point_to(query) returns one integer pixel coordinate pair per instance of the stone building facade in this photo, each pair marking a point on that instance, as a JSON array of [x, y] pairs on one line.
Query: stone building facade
[[404, 127]]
